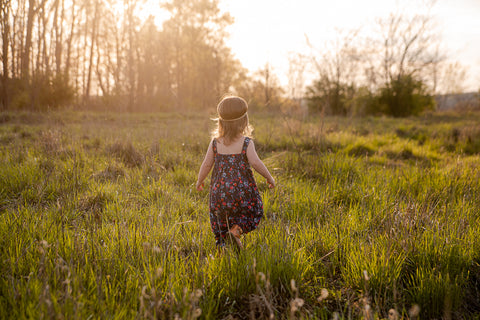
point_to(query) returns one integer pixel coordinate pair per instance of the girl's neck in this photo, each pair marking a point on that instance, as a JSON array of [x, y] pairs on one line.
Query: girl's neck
[[229, 142]]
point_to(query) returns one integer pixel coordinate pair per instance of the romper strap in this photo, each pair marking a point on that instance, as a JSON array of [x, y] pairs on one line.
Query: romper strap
[[214, 146], [245, 145]]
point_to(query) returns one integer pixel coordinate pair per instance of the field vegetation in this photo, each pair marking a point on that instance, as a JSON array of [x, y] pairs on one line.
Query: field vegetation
[[373, 218]]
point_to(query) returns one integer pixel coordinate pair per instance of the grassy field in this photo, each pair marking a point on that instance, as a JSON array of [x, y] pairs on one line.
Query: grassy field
[[373, 218]]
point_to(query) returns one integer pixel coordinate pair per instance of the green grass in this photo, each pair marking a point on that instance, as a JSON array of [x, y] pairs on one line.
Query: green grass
[[99, 218]]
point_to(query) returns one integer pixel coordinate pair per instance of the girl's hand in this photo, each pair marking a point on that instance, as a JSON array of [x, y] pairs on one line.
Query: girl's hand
[[200, 186], [271, 184]]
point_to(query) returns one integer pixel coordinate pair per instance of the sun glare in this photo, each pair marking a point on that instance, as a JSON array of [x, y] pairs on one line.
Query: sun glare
[[267, 31], [152, 8], [144, 10]]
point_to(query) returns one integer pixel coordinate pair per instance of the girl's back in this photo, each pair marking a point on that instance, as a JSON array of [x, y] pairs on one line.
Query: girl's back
[[233, 148]]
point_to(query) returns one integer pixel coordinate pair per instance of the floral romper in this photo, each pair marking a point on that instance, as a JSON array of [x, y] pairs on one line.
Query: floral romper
[[234, 196]]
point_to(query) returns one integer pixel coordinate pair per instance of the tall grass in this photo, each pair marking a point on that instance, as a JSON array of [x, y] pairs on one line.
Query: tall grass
[[371, 218]]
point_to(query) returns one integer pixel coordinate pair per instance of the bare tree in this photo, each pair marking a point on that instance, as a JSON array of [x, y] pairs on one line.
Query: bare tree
[[33, 9], [266, 74], [297, 64], [73, 19], [338, 67], [58, 22], [410, 46], [93, 41], [452, 78], [5, 7]]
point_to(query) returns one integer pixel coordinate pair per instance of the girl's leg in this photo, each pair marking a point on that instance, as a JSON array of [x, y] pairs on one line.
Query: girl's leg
[[233, 237], [236, 230]]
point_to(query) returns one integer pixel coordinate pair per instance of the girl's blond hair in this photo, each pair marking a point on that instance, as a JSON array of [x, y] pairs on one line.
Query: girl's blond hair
[[232, 119]]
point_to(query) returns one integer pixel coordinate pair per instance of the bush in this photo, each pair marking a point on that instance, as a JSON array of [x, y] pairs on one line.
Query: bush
[[330, 96], [41, 93], [404, 97]]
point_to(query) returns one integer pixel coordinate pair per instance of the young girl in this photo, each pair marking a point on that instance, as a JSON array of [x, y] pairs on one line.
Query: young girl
[[235, 203]]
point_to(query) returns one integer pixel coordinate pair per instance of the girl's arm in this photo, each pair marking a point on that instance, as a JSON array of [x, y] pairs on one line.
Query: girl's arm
[[207, 165], [258, 165]]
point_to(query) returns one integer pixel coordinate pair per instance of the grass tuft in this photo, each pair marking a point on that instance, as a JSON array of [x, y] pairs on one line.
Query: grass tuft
[[126, 152]]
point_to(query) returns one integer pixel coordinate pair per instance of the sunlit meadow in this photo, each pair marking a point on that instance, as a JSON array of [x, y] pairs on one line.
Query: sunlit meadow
[[373, 218]]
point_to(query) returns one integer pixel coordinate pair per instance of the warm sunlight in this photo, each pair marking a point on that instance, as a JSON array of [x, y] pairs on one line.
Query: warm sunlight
[[152, 8], [266, 31], [239, 159]]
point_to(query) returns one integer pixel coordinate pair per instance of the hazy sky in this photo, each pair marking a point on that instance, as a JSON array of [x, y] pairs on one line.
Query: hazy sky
[[267, 30]]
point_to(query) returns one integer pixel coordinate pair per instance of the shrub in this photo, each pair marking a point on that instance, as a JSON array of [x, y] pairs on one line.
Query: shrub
[[404, 97], [126, 152], [330, 96], [40, 93]]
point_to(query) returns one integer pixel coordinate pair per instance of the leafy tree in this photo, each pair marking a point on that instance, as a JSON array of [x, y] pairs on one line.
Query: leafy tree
[[330, 96], [405, 96], [200, 62]]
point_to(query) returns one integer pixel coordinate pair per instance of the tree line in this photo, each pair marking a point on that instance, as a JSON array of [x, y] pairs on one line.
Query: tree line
[[88, 52], [99, 54]]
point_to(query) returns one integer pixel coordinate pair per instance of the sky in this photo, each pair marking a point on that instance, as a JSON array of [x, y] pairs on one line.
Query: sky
[[267, 31]]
